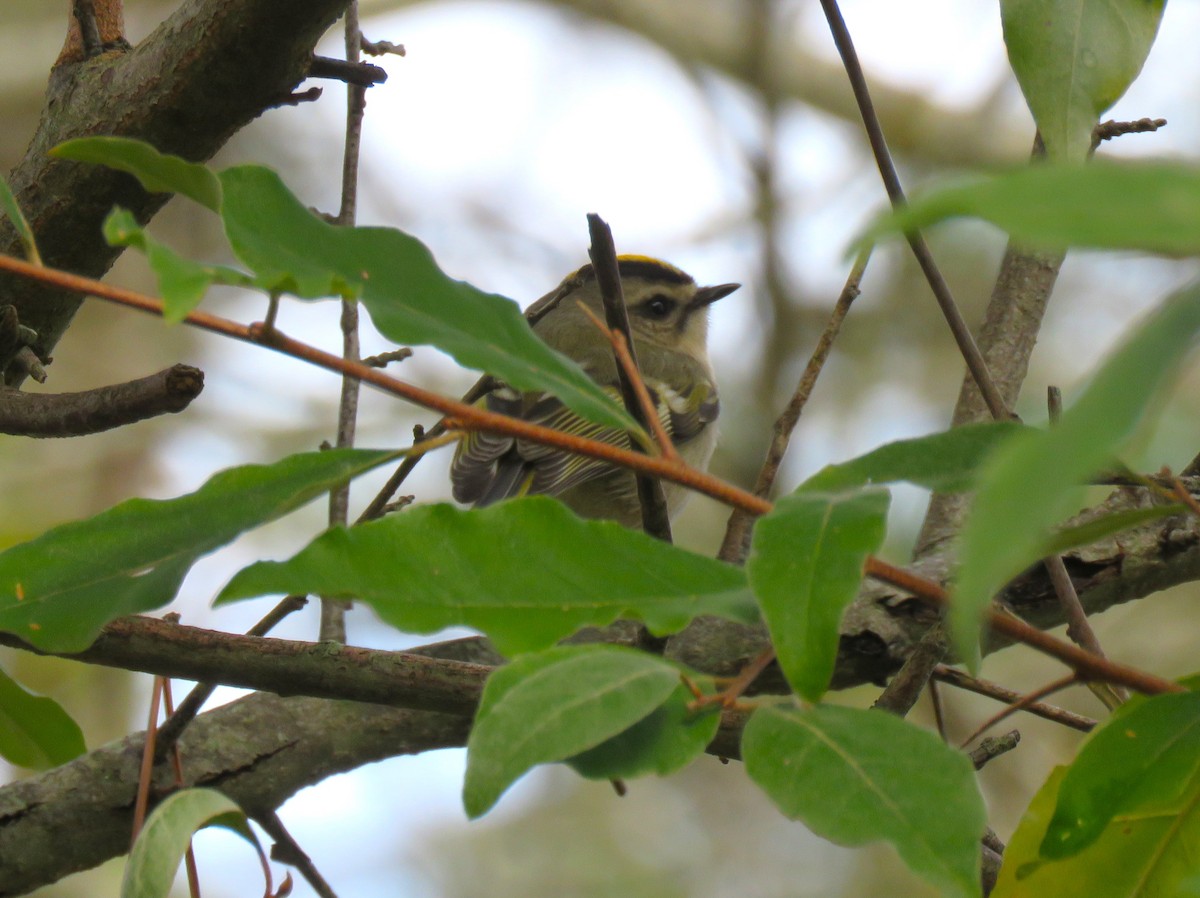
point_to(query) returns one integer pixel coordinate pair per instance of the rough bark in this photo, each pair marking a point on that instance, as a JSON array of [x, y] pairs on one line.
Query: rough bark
[[206, 71]]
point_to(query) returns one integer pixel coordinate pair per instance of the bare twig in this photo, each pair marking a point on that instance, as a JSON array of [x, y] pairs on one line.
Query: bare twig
[[891, 181], [359, 74], [1020, 704], [189, 856], [288, 851], [27, 362], [604, 261], [1110, 129], [965, 681], [1079, 628], [906, 686], [93, 411], [295, 98], [381, 48], [939, 713], [333, 611], [145, 771], [1054, 404], [736, 543], [727, 697], [993, 747], [386, 358]]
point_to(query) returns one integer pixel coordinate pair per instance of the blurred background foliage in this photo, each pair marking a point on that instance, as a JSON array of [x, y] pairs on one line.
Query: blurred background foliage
[[720, 135]]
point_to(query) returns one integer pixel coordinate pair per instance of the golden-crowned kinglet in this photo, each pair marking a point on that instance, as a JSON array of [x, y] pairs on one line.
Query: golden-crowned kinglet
[[668, 317]]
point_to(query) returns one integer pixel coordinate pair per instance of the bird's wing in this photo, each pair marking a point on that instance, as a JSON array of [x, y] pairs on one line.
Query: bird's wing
[[489, 467]]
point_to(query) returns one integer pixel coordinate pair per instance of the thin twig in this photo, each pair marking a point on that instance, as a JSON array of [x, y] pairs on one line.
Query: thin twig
[[26, 360], [383, 359], [906, 686], [381, 48], [142, 801], [629, 366], [1022, 703], [993, 747], [603, 254], [955, 677], [939, 713], [1183, 495], [100, 409], [736, 543], [287, 850], [1110, 129], [1079, 628], [297, 97], [1054, 403], [189, 856], [358, 74], [1085, 665], [727, 697], [333, 611], [891, 182]]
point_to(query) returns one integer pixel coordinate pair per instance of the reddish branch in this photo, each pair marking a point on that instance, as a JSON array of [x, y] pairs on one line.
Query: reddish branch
[[462, 416]]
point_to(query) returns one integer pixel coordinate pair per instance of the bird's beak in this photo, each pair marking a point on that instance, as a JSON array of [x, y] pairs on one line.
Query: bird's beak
[[706, 296]]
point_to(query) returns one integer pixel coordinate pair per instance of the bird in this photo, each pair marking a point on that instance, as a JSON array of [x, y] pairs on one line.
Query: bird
[[668, 319]]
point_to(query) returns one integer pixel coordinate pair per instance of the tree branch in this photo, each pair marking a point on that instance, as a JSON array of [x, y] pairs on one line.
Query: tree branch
[[283, 666], [93, 411], [259, 751], [211, 67]]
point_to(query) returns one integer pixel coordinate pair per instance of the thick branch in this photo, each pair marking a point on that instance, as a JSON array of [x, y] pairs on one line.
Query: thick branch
[[259, 751], [283, 666], [210, 68], [92, 411]]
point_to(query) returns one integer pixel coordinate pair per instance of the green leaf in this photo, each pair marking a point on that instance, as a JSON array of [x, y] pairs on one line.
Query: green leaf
[[855, 777], [58, 590], [35, 731], [1100, 528], [164, 839], [805, 565], [8, 205], [667, 739], [550, 706], [410, 299], [1033, 482], [527, 572], [1074, 59], [1151, 206], [158, 172], [944, 462], [182, 283], [1137, 855], [1145, 761]]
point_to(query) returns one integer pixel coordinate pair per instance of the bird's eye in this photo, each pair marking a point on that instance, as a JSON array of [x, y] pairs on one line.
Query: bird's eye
[[658, 307]]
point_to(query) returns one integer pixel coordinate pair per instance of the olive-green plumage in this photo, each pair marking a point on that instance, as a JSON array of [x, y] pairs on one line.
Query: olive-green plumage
[[668, 317]]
